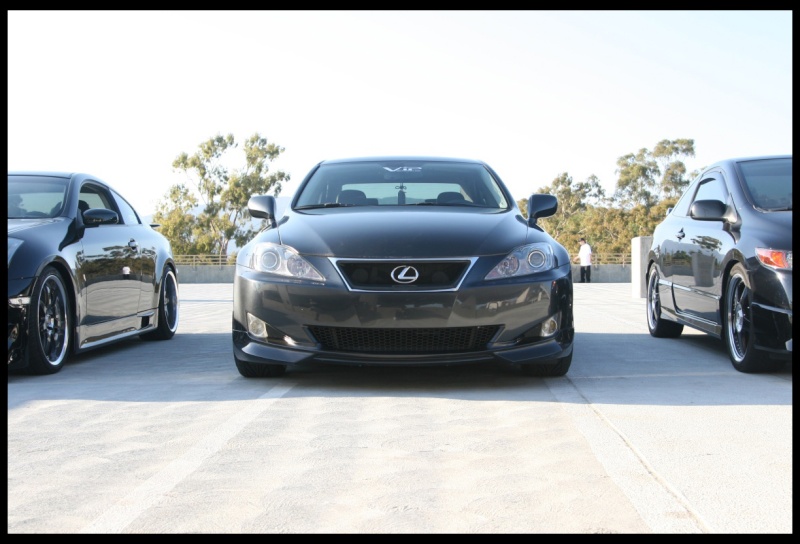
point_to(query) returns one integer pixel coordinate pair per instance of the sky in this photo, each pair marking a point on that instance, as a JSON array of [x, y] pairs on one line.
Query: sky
[[535, 94]]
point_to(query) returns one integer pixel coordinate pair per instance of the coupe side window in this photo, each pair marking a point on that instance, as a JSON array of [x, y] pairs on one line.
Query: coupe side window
[[126, 212], [712, 188], [681, 208], [94, 199]]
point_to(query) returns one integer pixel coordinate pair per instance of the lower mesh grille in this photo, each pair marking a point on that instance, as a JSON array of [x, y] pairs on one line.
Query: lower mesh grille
[[451, 339]]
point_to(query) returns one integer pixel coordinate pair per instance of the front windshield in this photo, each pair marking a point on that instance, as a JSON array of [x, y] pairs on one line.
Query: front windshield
[[402, 183], [35, 197], [769, 182]]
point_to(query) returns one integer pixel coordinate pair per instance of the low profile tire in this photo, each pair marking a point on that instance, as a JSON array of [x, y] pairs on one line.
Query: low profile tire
[[167, 309], [259, 370], [658, 326], [559, 368], [49, 324], [738, 331]]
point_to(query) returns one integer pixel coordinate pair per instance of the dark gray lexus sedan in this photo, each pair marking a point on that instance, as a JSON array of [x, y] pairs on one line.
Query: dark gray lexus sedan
[[403, 261]]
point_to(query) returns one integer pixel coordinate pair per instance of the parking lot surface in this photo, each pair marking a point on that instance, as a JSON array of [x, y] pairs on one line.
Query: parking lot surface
[[643, 435]]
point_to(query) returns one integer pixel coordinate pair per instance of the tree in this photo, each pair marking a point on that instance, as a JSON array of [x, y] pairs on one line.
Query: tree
[[667, 153], [646, 178], [221, 191], [648, 183], [636, 183], [177, 220], [574, 198]]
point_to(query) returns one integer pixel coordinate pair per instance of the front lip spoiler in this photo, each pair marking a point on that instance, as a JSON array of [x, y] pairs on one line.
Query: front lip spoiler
[[542, 352]]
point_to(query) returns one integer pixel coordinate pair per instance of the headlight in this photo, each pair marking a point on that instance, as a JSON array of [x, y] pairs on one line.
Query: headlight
[[525, 260], [775, 258], [13, 245], [279, 260]]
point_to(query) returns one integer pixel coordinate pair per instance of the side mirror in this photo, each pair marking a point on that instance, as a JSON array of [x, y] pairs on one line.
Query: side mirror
[[541, 206], [263, 207], [100, 216], [708, 210]]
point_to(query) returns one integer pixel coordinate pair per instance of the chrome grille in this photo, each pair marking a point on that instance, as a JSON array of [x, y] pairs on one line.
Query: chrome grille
[[376, 275]]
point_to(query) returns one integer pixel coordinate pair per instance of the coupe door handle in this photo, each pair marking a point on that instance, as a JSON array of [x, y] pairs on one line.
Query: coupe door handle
[[133, 245], [680, 235]]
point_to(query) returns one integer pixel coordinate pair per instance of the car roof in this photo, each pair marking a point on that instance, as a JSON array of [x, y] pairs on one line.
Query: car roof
[[52, 174], [753, 158], [401, 158]]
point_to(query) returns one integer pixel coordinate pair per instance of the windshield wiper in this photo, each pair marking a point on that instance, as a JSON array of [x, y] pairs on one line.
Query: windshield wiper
[[325, 205]]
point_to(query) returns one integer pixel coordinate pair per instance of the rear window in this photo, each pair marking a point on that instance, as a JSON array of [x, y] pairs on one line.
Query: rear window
[[769, 182]]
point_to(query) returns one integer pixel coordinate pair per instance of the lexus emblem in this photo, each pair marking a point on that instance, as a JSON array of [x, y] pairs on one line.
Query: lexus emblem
[[405, 274]]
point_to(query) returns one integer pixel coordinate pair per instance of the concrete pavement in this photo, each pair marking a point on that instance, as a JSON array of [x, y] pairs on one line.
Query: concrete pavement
[[643, 435]]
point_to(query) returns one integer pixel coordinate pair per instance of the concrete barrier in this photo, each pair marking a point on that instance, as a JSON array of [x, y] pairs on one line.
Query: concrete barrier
[[602, 273], [640, 246], [206, 273], [605, 273]]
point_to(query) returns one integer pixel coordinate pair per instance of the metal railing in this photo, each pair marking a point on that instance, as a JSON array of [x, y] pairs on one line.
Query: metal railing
[[611, 258], [200, 260], [219, 260]]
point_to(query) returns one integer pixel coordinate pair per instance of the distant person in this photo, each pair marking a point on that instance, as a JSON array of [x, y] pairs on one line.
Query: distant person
[[585, 260]]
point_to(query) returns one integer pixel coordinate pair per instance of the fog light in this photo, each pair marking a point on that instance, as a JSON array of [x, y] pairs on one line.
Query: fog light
[[549, 327], [256, 327]]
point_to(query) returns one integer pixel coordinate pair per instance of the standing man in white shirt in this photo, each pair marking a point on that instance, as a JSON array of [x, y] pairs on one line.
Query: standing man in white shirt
[[585, 260]]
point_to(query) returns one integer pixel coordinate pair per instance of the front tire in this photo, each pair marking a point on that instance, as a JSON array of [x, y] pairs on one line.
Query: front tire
[[658, 326], [49, 324], [167, 309], [738, 330]]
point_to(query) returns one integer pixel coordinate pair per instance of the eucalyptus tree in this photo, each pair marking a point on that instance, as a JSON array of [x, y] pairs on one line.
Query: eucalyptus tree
[[218, 186], [647, 177], [669, 154]]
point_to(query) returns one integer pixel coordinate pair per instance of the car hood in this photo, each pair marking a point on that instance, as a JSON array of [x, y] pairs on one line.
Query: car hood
[[418, 232], [19, 225]]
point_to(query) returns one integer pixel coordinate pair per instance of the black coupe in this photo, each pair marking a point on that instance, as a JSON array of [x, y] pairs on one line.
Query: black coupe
[[403, 261], [83, 270], [721, 262]]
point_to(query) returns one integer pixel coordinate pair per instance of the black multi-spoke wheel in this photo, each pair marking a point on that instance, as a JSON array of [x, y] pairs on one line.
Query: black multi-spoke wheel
[[658, 326], [49, 324], [167, 309], [738, 330]]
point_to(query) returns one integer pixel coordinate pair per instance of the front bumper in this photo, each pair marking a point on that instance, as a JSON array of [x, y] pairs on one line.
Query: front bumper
[[515, 311], [772, 311], [773, 329], [18, 312]]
